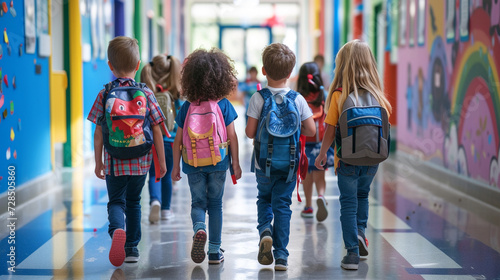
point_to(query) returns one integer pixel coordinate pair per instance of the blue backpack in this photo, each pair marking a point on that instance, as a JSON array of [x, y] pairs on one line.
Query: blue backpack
[[126, 128], [277, 145]]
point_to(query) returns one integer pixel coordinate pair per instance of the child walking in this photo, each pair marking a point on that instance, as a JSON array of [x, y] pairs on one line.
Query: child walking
[[310, 85], [276, 186], [163, 75], [356, 72], [127, 116], [204, 120]]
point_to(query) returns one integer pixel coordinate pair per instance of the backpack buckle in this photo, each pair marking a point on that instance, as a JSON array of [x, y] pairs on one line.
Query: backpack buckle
[[268, 162], [293, 149], [269, 148]]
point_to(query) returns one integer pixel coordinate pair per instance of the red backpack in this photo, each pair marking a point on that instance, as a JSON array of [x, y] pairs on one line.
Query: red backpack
[[318, 117]]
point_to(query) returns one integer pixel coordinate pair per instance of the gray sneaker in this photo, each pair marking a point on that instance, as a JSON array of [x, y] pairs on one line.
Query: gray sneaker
[[280, 265], [132, 254], [265, 256], [322, 210], [350, 261], [363, 245]]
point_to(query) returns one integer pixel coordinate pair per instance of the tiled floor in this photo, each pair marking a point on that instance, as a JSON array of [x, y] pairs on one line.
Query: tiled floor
[[413, 234]]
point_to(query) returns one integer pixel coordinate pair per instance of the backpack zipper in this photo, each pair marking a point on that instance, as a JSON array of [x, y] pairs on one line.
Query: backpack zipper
[[365, 117]]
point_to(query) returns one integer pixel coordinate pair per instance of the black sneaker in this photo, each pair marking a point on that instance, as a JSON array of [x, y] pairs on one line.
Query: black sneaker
[[198, 249], [363, 245], [265, 256], [132, 255], [350, 261], [216, 258], [280, 265]]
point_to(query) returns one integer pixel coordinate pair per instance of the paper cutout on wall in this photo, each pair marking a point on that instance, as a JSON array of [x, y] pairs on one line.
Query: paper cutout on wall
[[1, 13], [5, 9], [4, 114], [1, 52], [6, 80], [38, 69], [12, 10], [44, 45], [5, 37], [7, 154], [9, 49], [12, 107], [14, 82], [29, 26], [20, 49], [2, 99], [19, 125], [1, 177], [15, 154], [12, 134]]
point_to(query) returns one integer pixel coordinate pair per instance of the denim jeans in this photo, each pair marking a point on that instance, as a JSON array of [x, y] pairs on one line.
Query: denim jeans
[[206, 195], [124, 194], [273, 202], [162, 191], [354, 186]]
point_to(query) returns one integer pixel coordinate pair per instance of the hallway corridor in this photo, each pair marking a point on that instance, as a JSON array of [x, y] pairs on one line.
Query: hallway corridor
[[417, 229]]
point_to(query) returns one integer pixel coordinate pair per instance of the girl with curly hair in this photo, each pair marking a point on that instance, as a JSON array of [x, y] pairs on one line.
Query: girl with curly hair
[[206, 76]]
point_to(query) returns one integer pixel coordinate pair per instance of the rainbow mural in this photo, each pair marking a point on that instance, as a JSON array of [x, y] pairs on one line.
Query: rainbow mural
[[458, 90]]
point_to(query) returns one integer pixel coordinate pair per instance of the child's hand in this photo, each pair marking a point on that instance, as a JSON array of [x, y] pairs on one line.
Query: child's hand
[[237, 170], [320, 161], [176, 173], [163, 169], [99, 170]]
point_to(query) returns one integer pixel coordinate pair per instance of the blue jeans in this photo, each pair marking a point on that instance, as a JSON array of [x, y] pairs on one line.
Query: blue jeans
[[273, 201], [124, 194], [206, 195], [162, 191], [354, 186]]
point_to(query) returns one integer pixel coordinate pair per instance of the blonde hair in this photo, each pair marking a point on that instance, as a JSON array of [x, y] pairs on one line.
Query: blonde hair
[[123, 54], [278, 61], [356, 68], [163, 70]]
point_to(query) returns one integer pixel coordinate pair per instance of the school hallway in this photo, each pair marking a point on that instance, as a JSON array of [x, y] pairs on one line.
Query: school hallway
[[418, 228]]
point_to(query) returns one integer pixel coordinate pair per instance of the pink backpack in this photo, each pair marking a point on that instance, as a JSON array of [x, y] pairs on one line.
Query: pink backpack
[[204, 137]]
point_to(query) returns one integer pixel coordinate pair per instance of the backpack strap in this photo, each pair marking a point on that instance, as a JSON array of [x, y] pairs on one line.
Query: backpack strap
[[293, 150], [265, 93], [111, 85]]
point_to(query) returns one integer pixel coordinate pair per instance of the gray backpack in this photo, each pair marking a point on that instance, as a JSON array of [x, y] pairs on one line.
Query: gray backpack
[[362, 133], [167, 106]]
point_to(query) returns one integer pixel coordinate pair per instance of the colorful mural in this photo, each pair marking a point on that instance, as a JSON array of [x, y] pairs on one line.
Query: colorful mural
[[452, 89]]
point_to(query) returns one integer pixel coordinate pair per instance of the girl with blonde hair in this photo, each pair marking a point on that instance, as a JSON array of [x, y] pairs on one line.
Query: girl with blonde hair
[[356, 71], [162, 75]]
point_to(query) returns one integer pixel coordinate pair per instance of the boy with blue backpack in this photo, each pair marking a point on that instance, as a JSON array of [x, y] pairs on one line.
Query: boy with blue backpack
[[277, 116], [127, 116]]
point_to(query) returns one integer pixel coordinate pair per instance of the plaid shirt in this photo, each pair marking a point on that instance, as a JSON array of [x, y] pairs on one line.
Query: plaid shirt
[[135, 166]]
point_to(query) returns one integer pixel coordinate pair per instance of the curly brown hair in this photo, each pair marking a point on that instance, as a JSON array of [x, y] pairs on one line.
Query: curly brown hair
[[207, 75]]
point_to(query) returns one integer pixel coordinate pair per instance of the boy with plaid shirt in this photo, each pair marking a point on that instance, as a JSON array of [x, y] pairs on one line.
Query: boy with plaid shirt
[[125, 177]]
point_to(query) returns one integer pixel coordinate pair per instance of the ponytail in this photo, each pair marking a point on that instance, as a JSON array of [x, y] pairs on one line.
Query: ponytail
[[147, 77]]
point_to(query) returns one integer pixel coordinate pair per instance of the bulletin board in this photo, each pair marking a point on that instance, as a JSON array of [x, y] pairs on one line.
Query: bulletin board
[[24, 99]]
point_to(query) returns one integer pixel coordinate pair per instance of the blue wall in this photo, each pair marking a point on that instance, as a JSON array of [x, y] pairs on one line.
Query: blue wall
[[31, 106], [96, 73]]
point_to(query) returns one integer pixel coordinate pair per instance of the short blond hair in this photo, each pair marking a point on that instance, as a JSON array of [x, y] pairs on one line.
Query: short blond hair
[[123, 54], [278, 61]]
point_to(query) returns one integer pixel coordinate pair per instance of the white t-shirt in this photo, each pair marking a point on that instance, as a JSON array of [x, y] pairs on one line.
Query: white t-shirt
[[257, 102]]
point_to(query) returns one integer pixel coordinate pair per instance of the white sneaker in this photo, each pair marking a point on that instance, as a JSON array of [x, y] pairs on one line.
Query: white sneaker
[[167, 214], [154, 212]]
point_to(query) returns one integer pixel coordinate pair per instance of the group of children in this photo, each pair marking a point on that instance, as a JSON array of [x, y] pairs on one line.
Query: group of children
[[129, 117]]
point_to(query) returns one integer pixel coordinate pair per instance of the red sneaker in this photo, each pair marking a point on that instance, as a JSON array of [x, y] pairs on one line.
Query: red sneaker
[[308, 212], [117, 251]]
